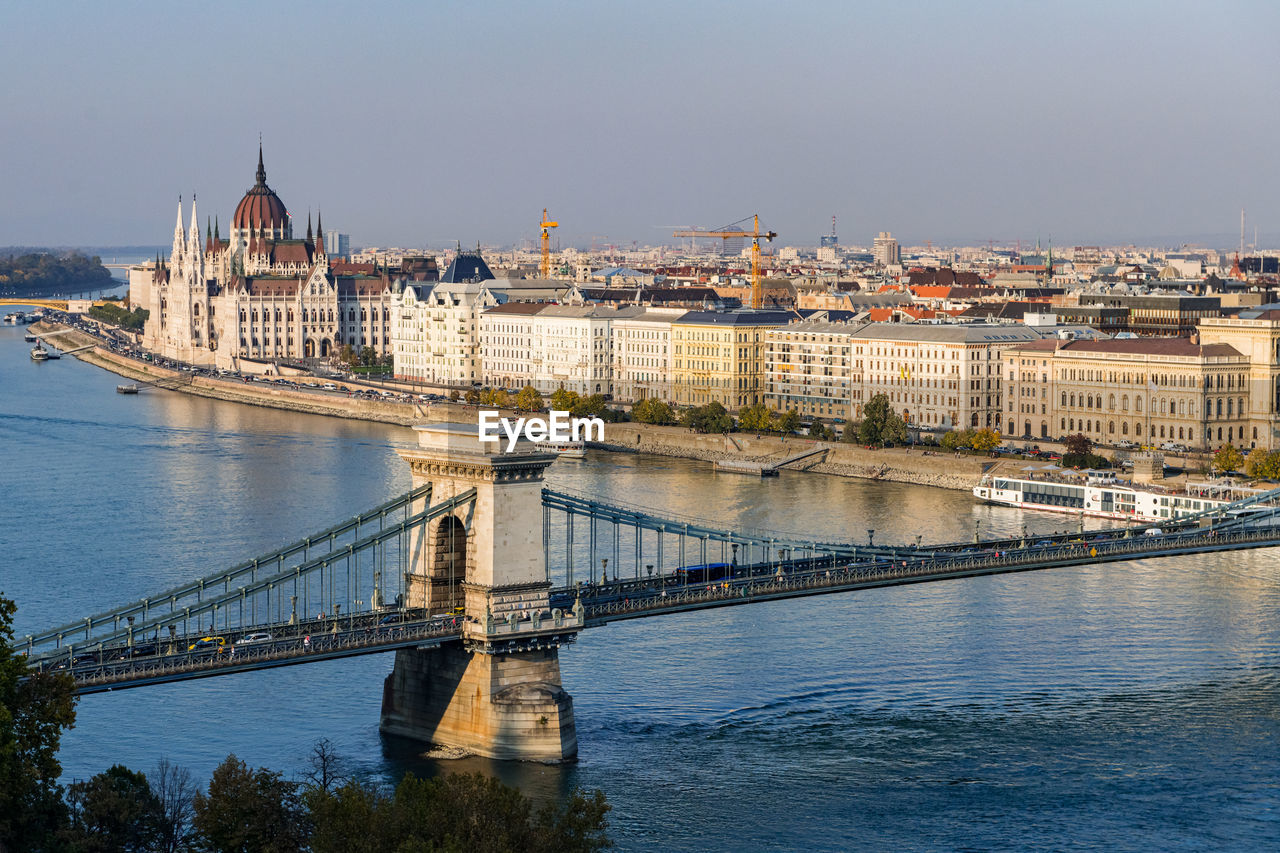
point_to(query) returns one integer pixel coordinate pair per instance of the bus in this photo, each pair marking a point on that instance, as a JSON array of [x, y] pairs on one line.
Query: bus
[[702, 574]]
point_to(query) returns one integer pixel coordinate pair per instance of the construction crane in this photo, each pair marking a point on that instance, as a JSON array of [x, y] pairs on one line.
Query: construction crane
[[546, 225], [730, 232]]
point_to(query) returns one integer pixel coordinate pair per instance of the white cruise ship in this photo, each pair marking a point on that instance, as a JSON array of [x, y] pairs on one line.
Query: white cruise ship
[[1105, 497]]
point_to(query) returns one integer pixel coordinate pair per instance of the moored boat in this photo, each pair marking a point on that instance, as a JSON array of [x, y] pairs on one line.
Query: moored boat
[[569, 449], [127, 389], [1107, 497], [39, 353]]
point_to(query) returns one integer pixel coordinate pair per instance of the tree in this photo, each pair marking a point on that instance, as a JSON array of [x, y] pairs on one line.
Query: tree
[[1079, 444], [529, 399], [472, 396], [953, 440], [820, 431], [455, 812], [495, 398], [757, 418], [454, 396], [789, 422], [653, 411], [114, 812], [33, 715], [711, 418], [173, 788], [563, 400], [849, 434], [880, 424], [588, 407], [1229, 459], [326, 770], [250, 810], [985, 439]]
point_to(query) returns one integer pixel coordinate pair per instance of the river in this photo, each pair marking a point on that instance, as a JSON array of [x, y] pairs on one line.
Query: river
[[1129, 706]]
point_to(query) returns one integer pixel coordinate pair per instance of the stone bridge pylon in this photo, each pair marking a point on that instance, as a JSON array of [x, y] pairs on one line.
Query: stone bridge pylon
[[497, 691]]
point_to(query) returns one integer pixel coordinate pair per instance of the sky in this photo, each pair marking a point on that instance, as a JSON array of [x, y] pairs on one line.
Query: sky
[[421, 124]]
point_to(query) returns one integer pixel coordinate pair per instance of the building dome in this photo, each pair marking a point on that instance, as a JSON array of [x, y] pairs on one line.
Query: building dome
[[260, 208]]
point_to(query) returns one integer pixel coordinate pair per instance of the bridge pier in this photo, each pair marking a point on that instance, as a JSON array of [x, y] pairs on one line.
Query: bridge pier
[[497, 692], [503, 706]]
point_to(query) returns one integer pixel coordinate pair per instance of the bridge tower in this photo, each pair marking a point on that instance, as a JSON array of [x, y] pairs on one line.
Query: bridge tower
[[497, 691]]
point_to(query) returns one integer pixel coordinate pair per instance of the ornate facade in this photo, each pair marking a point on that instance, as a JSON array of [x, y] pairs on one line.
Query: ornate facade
[[260, 294]]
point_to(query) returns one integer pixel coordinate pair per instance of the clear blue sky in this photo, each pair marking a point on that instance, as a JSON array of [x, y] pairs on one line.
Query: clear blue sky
[[424, 123]]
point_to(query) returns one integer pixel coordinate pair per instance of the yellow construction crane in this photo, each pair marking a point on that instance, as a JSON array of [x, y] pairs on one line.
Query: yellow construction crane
[[730, 232], [546, 225]]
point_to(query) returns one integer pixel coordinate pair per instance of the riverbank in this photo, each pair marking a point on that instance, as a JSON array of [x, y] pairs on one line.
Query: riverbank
[[237, 391], [898, 465]]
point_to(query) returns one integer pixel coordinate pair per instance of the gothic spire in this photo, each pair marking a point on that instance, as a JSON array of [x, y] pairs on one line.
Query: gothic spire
[[308, 226], [262, 172], [319, 233]]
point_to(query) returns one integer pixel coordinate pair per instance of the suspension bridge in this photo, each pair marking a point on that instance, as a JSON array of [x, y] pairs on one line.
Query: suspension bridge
[[479, 574]]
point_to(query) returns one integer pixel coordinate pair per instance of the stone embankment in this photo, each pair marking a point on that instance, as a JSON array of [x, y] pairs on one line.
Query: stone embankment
[[237, 391], [926, 468]]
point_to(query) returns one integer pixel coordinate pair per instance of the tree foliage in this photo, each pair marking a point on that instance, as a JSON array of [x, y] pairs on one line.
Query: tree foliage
[[1078, 443], [711, 418], [757, 418], [1229, 459], [985, 439], [33, 715], [788, 421], [117, 315], [1260, 464], [250, 810], [529, 399], [42, 273], [563, 400], [116, 811], [455, 812], [880, 424], [653, 411], [495, 398]]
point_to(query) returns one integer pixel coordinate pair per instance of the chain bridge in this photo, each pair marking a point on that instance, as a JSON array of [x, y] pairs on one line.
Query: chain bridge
[[479, 574]]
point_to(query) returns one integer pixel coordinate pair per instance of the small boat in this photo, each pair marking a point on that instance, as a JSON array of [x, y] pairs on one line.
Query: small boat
[[39, 353], [127, 389], [30, 338], [52, 354], [569, 449]]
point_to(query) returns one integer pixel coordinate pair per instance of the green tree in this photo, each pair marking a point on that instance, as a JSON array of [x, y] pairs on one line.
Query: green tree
[[653, 411], [250, 811], [985, 440], [711, 418], [1229, 459], [757, 418], [820, 431], [529, 399], [563, 400], [952, 440], [789, 422], [115, 812], [1078, 443], [495, 398], [850, 433], [589, 407], [33, 715], [880, 424], [456, 812]]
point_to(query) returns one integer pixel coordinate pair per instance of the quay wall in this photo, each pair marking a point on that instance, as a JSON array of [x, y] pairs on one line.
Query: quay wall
[[238, 391], [936, 468]]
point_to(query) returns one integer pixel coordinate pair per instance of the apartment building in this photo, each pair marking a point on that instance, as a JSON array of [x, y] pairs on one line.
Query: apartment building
[[719, 356], [641, 350], [937, 377]]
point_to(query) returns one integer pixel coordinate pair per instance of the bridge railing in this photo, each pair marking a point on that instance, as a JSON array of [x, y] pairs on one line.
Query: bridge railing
[[363, 560]]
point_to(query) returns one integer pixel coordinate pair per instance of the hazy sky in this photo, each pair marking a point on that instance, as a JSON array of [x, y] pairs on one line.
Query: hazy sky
[[424, 123]]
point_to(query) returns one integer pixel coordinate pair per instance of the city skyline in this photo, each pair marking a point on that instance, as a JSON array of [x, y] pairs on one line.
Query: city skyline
[[950, 126]]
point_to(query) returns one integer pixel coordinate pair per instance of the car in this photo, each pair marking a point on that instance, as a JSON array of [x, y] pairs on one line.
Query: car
[[208, 645], [1153, 531], [329, 386], [254, 638]]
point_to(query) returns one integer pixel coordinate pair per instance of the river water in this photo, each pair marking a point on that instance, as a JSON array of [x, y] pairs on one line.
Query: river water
[[1128, 707]]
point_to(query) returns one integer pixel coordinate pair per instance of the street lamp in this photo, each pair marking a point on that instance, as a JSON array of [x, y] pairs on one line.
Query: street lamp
[[604, 570]]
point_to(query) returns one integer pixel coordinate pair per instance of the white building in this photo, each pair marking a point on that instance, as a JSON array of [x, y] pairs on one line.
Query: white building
[[641, 354], [572, 349], [507, 346], [885, 250]]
